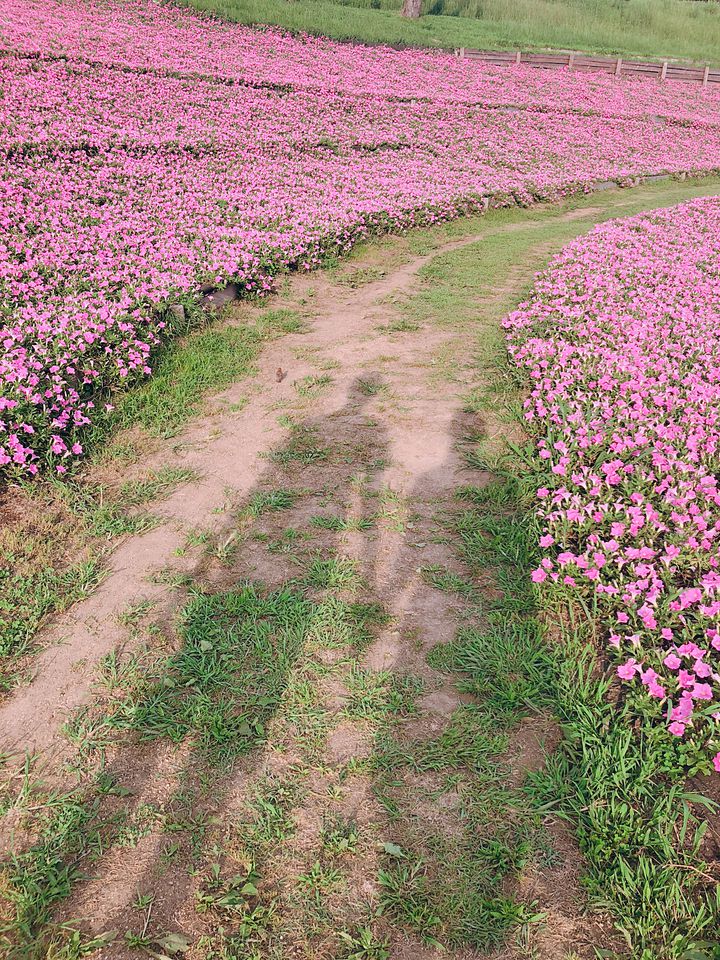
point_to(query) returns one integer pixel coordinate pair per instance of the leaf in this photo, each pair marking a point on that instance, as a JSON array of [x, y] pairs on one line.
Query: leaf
[[205, 645], [393, 850], [250, 890], [119, 791], [173, 942]]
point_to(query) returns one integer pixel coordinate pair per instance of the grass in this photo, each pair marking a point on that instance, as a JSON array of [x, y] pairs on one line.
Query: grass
[[631, 28], [58, 533], [53, 555], [640, 832], [206, 360], [240, 663], [222, 688]]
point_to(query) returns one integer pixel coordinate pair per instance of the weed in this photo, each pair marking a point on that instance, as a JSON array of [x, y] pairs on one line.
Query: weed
[[443, 579], [339, 836], [342, 523], [361, 944], [381, 696], [359, 276], [371, 387], [332, 573], [158, 484], [311, 386], [302, 449], [269, 501]]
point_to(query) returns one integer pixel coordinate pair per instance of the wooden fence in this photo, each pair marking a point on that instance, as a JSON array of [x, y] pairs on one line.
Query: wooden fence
[[663, 70]]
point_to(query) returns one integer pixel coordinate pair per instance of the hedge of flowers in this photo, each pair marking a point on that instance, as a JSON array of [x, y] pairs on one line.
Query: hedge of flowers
[[147, 153], [621, 340]]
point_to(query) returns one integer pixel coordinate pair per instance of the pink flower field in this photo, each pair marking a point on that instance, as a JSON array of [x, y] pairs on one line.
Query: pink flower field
[[147, 153], [621, 340]]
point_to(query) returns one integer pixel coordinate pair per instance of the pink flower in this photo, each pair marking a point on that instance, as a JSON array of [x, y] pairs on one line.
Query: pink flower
[[627, 670]]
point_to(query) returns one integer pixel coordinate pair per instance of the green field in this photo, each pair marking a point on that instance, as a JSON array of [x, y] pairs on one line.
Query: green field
[[681, 29]]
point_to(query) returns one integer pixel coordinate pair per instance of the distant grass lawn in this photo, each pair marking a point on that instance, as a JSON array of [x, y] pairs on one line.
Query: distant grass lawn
[[681, 29]]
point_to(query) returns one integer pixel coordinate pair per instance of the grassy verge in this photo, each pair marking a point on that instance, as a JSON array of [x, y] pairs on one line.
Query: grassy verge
[[56, 534], [633, 28], [641, 829], [640, 832]]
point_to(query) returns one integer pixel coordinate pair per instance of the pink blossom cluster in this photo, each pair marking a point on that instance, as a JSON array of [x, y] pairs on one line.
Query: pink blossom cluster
[[147, 152], [621, 342]]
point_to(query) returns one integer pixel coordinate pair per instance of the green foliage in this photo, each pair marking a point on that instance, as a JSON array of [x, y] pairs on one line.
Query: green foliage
[[207, 359], [222, 688], [639, 830], [631, 28]]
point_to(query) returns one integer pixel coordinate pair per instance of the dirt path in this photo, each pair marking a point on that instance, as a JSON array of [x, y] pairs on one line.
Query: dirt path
[[227, 452], [337, 477]]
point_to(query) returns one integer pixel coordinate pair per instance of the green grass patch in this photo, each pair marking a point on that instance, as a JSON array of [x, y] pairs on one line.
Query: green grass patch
[[342, 524], [332, 573], [380, 696], [185, 372], [271, 501], [633, 28], [302, 449], [55, 556], [639, 829], [233, 670]]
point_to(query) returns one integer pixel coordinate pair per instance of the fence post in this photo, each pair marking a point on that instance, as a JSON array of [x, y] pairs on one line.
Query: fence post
[[663, 72], [461, 53], [571, 61], [618, 66], [518, 55], [705, 74]]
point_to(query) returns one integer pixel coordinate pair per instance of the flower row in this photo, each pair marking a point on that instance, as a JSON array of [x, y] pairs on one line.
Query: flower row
[[621, 342]]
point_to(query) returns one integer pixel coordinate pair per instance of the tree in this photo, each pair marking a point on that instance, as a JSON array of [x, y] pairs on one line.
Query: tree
[[411, 8]]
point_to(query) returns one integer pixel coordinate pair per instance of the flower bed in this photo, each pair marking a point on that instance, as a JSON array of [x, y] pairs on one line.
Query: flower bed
[[147, 153], [621, 341]]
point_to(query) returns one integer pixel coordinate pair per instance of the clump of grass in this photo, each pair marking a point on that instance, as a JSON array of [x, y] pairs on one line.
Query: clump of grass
[[312, 385], [224, 685], [302, 449], [270, 501], [342, 524], [158, 484], [449, 582], [371, 386], [359, 276], [378, 696], [339, 836], [332, 573]]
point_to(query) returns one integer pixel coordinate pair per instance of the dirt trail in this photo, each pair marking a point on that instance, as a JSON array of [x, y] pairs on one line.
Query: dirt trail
[[389, 404], [227, 452]]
